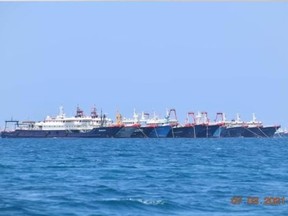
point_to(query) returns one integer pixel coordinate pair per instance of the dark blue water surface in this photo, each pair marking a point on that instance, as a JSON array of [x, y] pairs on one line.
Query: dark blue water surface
[[142, 176]]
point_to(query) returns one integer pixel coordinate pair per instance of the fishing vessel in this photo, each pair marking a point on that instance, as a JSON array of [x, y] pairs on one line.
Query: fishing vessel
[[233, 128], [188, 130], [281, 133], [93, 126], [209, 128], [155, 127], [129, 125], [199, 127], [255, 128], [99, 126]]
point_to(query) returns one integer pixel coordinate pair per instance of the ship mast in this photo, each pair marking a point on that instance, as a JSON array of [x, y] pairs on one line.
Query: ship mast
[[192, 115], [79, 112], [174, 121], [204, 118], [94, 112]]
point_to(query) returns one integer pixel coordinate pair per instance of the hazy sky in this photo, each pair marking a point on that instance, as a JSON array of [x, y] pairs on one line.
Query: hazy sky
[[229, 57]]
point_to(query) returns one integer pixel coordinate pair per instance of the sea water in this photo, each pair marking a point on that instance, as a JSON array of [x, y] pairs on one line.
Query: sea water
[[144, 176]]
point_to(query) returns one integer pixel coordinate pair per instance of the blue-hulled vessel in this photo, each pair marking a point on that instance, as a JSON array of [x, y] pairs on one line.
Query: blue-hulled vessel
[[200, 127], [257, 129], [129, 125], [155, 127], [254, 128], [94, 126], [233, 128]]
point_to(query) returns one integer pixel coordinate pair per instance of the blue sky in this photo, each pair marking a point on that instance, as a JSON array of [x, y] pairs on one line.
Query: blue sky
[[229, 57]]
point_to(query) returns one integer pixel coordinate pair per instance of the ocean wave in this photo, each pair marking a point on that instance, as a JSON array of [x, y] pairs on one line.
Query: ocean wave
[[151, 177], [132, 202]]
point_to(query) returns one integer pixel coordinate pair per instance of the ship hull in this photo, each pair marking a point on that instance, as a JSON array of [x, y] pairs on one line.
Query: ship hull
[[102, 132], [125, 132], [233, 131], [260, 131], [142, 132], [196, 131], [183, 132], [205, 131], [160, 131], [152, 132]]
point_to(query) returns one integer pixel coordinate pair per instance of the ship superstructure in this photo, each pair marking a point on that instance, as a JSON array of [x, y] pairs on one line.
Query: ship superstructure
[[139, 126], [61, 126]]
